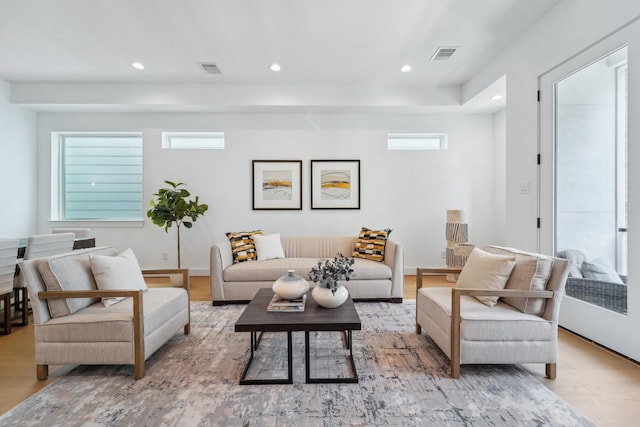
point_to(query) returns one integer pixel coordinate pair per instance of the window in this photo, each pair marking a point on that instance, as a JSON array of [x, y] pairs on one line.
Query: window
[[417, 141], [193, 140], [97, 176]]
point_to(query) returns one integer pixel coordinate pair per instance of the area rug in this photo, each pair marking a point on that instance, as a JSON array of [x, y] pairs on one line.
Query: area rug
[[193, 381]]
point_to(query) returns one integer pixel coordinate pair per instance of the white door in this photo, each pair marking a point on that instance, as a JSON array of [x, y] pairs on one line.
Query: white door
[[586, 186]]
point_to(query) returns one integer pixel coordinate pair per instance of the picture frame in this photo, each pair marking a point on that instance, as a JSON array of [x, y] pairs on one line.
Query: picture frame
[[335, 184], [277, 184]]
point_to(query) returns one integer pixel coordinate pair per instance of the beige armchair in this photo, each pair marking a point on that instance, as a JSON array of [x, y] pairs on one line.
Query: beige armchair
[[73, 327], [521, 328], [8, 259]]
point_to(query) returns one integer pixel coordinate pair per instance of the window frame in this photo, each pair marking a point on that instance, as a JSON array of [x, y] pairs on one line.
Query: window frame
[[57, 211], [440, 137], [169, 135]]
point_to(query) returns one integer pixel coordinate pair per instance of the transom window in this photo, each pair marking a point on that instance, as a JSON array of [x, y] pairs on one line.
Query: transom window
[[98, 176], [193, 140], [417, 141]]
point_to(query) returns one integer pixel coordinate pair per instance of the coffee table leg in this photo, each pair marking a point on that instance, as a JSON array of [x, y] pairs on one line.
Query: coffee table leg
[[307, 361], [254, 346]]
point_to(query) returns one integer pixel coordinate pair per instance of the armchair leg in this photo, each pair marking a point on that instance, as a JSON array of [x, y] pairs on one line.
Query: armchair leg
[[550, 371], [42, 372], [187, 329], [418, 329], [139, 370]]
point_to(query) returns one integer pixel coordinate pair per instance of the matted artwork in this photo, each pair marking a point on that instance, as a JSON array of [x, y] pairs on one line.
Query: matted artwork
[[277, 184], [335, 184]]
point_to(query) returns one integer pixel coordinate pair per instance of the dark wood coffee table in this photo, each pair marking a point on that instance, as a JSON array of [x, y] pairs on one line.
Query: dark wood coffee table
[[256, 319]]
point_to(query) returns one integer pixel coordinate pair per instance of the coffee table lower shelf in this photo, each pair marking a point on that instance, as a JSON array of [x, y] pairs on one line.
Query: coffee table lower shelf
[[255, 341]]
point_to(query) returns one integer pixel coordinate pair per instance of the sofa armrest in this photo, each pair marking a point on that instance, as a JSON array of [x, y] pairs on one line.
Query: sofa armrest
[[220, 259], [394, 258], [420, 272]]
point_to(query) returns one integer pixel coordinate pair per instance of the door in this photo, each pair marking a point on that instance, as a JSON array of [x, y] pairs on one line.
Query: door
[[584, 188]]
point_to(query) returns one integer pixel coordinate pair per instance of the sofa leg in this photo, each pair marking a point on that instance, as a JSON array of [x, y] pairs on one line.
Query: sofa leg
[[418, 329], [550, 371], [139, 370], [187, 329], [42, 372], [218, 303], [455, 369]]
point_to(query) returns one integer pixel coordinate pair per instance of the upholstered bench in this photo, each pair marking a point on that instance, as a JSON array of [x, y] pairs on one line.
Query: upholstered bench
[[74, 326]]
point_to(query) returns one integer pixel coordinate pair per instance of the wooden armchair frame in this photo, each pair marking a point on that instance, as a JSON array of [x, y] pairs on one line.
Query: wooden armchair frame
[[42, 371], [456, 293]]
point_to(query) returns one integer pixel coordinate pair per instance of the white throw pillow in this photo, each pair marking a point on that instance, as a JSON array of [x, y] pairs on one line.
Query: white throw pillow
[[600, 269], [268, 246], [120, 272], [486, 271]]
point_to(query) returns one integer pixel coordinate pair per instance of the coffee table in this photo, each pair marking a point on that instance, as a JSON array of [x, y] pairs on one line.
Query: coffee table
[[256, 319]]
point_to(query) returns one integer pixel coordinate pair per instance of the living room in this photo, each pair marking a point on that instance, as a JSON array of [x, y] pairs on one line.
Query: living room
[[488, 168]]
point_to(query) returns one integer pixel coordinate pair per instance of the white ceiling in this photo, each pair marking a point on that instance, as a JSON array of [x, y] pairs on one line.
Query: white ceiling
[[319, 43]]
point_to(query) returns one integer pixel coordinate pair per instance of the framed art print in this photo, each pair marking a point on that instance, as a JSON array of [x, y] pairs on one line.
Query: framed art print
[[277, 184], [335, 184]]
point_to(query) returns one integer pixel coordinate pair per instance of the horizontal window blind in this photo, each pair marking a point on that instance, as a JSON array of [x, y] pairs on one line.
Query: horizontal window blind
[[101, 176]]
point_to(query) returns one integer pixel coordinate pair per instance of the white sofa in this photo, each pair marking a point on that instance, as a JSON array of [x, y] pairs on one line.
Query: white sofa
[[73, 327], [239, 282], [521, 328]]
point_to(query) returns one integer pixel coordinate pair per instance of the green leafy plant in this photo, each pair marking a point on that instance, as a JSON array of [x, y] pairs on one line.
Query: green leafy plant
[[172, 206], [328, 272]]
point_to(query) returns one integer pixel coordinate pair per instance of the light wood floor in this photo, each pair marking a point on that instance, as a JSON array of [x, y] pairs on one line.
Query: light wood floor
[[600, 384]]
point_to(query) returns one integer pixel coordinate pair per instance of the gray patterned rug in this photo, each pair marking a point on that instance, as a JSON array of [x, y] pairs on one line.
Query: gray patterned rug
[[193, 381]]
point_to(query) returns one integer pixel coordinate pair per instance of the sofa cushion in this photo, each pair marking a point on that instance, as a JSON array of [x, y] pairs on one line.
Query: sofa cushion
[[98, 323], [371, 243], [273, 269], [531, 272], [268, 246], [120, 272], [480, 322], [600, 269], [243, 247], [69, 272], [484, 270]]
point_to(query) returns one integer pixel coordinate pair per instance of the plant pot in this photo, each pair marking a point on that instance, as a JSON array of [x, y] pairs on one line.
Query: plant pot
[[327, 299], [290, 286]]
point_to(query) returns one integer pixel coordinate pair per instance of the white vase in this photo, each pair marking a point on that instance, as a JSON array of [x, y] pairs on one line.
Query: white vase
[[290, 286], [327, 299]]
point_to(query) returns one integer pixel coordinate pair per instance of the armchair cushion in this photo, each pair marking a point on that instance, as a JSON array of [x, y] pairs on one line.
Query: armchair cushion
[[121, 272], [69, 272], [484, 270], [531, 272]]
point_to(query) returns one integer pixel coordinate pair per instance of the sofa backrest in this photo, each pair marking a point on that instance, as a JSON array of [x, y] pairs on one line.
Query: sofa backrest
[[317, 247], [72, 266]]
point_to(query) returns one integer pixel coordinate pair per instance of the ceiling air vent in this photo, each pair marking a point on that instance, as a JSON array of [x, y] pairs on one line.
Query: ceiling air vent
[[209, 67], [444, 53]]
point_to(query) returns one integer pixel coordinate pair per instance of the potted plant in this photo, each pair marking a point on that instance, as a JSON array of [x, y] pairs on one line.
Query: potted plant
[[329, 293], [172, 206]]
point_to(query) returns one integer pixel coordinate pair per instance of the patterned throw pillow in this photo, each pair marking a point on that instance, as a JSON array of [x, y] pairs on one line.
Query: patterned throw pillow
[[243, 247], [371, 243]]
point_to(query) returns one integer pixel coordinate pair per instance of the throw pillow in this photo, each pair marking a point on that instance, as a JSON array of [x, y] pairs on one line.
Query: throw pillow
[[486, 271], [120, 272], [243, 247], [371, 243], [600, 269], [531, 272], [268, 246]]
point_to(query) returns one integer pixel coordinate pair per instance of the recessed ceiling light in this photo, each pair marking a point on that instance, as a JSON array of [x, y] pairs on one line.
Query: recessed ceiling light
[[496, 97], [274, 67], [137, 65], [405, 68]]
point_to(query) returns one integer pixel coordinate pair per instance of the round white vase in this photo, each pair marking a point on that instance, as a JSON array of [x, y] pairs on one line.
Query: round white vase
[[327, 299], [290, 286]]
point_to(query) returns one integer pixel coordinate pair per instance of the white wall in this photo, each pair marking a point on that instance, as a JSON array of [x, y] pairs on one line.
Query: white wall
[[545, 45], [406, 191], [500, 174], [18, 209]]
